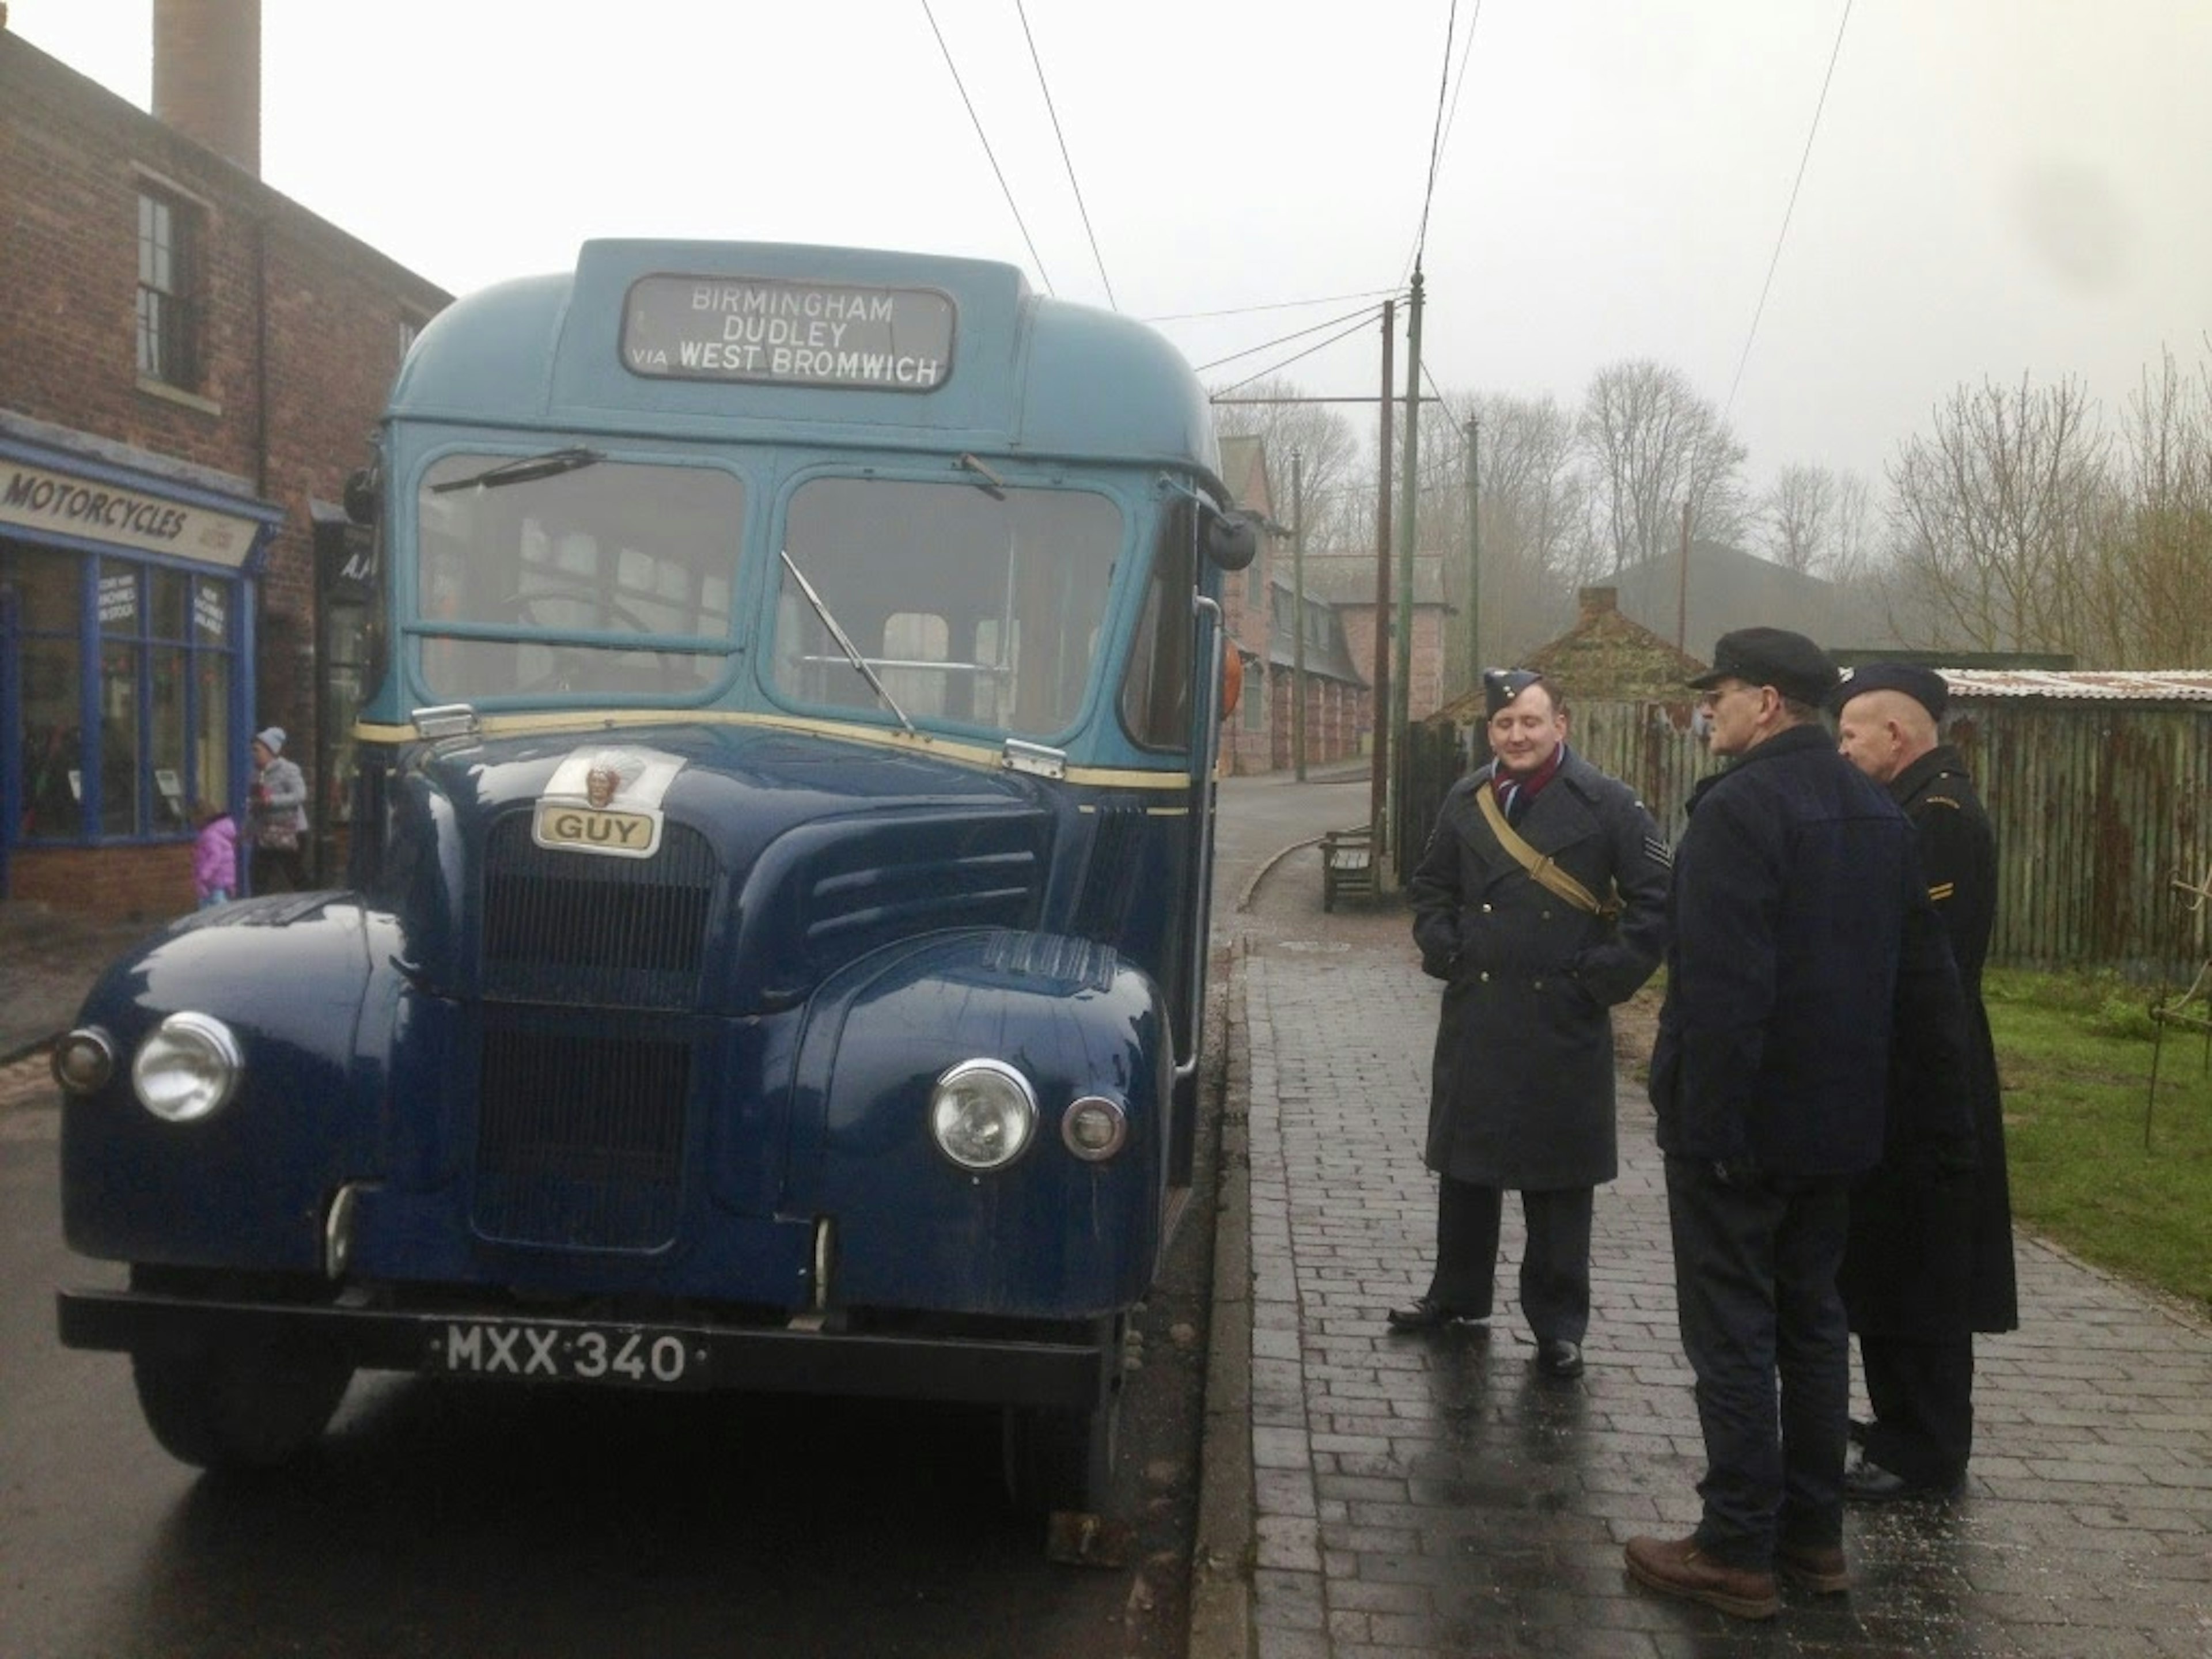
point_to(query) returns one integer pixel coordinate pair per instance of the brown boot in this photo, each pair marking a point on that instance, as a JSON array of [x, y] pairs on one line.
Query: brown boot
[[1819, 1568], [1681, 1568]]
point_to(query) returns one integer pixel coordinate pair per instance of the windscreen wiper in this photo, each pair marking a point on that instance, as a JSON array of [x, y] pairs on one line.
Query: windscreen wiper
[[851, 652], [522, 469]]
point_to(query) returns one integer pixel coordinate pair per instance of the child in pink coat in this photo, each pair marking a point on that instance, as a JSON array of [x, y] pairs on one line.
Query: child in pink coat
[[214, 855]]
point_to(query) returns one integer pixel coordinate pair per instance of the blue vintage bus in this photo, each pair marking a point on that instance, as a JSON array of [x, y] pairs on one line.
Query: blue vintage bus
[[774, 942]]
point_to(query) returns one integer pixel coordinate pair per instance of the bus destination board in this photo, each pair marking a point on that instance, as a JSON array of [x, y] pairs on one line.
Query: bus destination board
[[788, 333]]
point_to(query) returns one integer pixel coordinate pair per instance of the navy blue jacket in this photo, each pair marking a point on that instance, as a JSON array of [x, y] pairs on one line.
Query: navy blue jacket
[[1801, 946]]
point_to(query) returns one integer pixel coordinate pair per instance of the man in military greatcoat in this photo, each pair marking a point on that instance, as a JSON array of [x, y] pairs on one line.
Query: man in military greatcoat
[[1929, 1261], [1541, 904]]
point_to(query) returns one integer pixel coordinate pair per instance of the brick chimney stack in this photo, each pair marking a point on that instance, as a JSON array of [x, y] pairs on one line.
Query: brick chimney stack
[[207, 75]]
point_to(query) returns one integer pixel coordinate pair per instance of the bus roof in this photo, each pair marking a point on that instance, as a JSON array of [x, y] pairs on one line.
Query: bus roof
[[878, 350]]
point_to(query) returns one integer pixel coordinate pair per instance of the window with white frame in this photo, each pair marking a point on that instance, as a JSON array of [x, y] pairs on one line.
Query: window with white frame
[[169, 321]]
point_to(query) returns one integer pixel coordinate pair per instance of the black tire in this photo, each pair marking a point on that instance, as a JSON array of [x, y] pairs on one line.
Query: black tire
[[238, 1405]]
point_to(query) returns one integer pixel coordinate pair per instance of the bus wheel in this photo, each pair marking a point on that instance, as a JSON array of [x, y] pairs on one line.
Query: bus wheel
[[238, 1405]]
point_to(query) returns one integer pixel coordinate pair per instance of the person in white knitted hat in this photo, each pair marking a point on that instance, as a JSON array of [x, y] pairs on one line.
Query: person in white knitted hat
[[277, 817]]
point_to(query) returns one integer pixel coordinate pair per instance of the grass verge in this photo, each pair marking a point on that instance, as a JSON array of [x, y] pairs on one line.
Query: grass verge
[[2097, 1166]]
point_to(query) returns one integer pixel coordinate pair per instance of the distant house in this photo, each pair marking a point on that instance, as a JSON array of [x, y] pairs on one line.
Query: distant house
[[1346, 582], [1266, 617], [1729, 589], [1606, 657]]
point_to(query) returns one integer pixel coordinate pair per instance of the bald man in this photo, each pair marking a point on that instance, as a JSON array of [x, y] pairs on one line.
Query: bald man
[[1931, 1260]]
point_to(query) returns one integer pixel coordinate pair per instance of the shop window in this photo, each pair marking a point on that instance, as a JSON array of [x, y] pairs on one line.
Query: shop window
[[209, 662], [168, 322], [120, 747]]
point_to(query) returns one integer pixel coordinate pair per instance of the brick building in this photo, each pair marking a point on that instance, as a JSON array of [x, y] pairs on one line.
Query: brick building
[[1345, 582], [1265, 613], [191, 364]]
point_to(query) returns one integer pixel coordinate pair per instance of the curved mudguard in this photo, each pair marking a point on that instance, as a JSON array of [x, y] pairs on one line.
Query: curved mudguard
[[305, 982], [1050, 1236]]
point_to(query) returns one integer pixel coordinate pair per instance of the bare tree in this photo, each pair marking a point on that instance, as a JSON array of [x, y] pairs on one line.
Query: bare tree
[[2159, 558], [1332, 465], [1798, 516], [1651, 444], [1852, 553], [1996, 516]]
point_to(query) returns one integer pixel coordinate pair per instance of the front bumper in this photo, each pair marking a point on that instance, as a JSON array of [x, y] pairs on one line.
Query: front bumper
[[1049, 1375]]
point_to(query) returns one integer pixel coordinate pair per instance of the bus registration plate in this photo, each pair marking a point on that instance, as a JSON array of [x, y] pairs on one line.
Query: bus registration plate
[[629, 1356]]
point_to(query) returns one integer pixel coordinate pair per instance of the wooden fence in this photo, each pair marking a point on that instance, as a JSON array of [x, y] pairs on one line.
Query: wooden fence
[[2099, 809]]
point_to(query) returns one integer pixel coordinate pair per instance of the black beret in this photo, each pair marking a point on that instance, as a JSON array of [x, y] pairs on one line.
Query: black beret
[[1501, 685], [1923, 685], [1789, 662]]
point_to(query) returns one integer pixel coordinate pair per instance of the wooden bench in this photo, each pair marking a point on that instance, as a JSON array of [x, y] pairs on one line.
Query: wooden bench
[[1348, 865]]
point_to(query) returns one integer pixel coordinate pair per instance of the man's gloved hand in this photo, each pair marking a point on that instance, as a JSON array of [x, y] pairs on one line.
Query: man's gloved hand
[[1438, 966]]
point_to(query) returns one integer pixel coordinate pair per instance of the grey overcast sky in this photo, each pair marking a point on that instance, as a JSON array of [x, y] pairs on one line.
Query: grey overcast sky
[[1995, 187]]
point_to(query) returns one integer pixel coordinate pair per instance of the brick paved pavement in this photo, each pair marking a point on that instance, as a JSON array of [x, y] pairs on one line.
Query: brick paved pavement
[[1433, 1496]]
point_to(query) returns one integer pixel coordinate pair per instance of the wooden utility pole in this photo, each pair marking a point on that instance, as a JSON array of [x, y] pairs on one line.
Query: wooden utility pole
[[1682, 587], [1474, 556], [1402, 671], [1299, 613], [1379, 782]]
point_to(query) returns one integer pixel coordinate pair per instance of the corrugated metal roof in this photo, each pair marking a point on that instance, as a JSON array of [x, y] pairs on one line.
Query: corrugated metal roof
[[2083, 685]]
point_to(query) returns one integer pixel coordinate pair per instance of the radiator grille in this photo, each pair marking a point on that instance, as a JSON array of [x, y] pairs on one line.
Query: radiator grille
[[581, 1143], [578, 927], [873, 889]]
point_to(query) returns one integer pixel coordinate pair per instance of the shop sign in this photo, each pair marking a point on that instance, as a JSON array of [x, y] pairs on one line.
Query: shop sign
[[33, 499]]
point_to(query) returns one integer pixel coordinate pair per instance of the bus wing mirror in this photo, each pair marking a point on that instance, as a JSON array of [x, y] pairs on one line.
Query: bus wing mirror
[[1232, 539], [360, 495]]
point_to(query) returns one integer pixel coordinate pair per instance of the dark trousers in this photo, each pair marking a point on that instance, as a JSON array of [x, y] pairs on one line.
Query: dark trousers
[[1554, 1268], [1755, 1281], [277, 870], [1922, 1394]]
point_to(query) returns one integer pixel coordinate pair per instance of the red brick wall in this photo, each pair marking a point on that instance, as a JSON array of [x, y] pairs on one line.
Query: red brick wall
[[300, 335], [207, 74], [147, 884], [1425, 661]]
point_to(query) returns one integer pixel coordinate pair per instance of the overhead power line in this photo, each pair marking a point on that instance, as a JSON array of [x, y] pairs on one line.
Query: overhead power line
[[1362, 314], [1068, 162], [1276, 305], [1035, 258], [1835, 53], [1435, 135], [1459, 79], [1365, 318]]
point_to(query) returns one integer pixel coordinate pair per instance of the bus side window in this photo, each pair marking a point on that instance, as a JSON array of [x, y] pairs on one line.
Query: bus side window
[[1156, 685]]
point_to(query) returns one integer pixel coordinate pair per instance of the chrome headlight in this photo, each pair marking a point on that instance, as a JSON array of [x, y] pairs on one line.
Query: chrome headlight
[[982, 1114], [187, 1067], [1094, 1128]]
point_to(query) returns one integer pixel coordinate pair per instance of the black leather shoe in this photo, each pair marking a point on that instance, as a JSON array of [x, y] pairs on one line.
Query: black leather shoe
[[1426, 1315], [1865, 1482], [1559, 1357]]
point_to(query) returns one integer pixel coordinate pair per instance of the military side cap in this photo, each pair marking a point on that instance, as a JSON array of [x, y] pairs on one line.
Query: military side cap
[[1923, 685], [1501, 685], [1789, 662]]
